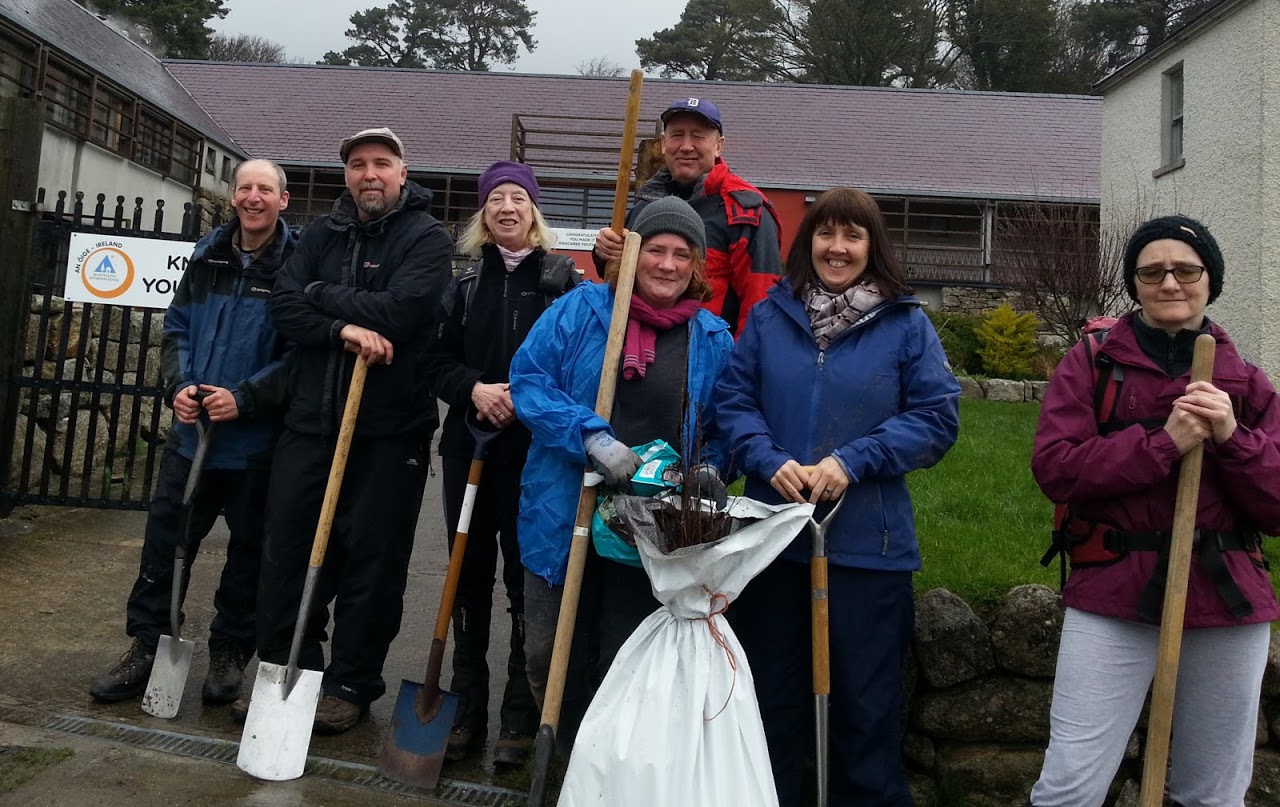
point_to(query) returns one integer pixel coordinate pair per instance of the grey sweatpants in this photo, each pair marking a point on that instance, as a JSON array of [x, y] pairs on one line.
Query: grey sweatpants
[[1105, 667]]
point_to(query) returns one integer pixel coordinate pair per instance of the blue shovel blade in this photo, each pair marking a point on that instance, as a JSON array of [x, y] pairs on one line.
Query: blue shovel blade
[[415, 753]]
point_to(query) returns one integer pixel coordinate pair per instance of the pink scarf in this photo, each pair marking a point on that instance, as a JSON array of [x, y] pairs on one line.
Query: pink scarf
[[643, 324]]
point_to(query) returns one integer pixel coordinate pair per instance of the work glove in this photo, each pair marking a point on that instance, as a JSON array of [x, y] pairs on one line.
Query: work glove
[[611, 459], [704, 482]]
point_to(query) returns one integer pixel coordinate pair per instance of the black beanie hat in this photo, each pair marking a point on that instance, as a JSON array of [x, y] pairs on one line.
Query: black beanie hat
[[1179, 228]]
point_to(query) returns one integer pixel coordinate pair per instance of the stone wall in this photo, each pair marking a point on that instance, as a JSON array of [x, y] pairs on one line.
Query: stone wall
[[1001, 389], [979, 693], [99, 400], [976, 302]]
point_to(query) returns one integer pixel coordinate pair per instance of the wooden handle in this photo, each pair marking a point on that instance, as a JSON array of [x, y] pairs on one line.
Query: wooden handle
[[622, 188], [587, 498], [1160, 723], [339, 465], [821, 622], [454, 574]]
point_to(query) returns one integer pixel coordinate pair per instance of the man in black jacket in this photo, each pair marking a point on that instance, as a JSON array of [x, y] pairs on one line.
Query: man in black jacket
[[370, 275]]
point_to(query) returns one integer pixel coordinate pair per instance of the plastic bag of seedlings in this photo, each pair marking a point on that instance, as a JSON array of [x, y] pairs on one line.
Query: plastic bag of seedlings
[[658, 473], [675, 720]]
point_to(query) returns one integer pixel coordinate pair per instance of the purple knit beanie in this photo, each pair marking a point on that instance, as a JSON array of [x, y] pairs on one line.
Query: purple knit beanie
[[508, 171]]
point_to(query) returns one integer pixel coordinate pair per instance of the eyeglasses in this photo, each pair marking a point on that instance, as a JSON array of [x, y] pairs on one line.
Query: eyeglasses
[[1183, 273]]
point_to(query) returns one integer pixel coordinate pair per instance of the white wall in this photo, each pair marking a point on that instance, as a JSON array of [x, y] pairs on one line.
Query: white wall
[[1231, 147], [70, 164]]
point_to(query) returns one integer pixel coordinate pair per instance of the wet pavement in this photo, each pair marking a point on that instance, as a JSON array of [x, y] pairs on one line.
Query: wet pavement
[[64, 579]]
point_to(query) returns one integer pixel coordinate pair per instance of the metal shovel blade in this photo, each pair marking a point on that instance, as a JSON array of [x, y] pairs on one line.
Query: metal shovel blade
[[277, 731], [416, 751], [168, 677]]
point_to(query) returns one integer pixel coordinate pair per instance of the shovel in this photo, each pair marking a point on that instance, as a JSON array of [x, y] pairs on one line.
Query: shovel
[[282, 709], [1160, 723], [173, 654], [821, 649], [423, 717]]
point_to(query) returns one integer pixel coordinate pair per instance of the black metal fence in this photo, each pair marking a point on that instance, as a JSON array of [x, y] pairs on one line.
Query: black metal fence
[[90, 420]]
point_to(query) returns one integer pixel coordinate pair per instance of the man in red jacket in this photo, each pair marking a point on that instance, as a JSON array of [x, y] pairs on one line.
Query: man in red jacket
[[743, 242]]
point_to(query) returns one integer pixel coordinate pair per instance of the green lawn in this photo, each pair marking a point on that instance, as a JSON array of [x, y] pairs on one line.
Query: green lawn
[[982, 522]]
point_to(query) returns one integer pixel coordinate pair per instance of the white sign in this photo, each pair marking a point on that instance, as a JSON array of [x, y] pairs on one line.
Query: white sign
[[575, 240], [119, 270]]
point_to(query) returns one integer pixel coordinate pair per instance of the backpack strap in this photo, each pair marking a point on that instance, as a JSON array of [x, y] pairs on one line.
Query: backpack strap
[[467, 285], [559, 274]]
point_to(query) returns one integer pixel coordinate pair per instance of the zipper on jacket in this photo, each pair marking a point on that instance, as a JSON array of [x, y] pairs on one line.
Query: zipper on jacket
[[884, 544], [822, 355]]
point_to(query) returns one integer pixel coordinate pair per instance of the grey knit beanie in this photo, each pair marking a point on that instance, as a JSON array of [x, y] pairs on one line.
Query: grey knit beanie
[[671, 214]]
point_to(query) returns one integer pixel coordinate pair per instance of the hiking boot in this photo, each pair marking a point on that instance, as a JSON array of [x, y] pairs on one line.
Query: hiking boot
[[226, 673], [512, 749], [334, 715], [462, 742], [128, 679], [240, 709]]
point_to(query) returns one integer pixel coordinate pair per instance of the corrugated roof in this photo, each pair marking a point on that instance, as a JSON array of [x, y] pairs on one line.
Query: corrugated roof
[[920, 142], [67, 27]]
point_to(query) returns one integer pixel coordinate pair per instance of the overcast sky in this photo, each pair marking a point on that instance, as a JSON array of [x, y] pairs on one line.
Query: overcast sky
[[566, 31]]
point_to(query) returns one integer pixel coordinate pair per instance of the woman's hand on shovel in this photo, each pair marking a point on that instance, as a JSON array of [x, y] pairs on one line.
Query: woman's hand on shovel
[[827, 480], [493, 403]]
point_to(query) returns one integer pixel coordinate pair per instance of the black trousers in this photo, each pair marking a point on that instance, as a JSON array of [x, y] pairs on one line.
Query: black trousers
[[240, 497], [365, 568], [493, 529], [871, 624], [614, 600]]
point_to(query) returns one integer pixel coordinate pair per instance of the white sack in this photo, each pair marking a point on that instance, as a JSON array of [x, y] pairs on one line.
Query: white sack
[[673, 723]]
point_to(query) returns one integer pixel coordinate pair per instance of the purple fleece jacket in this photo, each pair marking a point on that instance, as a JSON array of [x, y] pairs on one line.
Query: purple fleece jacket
[[1128, 478]]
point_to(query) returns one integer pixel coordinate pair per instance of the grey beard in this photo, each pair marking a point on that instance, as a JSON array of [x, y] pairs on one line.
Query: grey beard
[[372, 208]]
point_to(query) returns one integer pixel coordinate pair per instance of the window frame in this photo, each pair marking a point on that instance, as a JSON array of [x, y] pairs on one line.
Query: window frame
[[1172, 120]]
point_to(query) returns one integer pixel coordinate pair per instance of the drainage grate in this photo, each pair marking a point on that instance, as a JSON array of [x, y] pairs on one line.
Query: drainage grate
[[462, 794]]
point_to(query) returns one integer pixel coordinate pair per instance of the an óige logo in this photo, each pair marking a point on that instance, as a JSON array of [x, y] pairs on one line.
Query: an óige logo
[[106, 270]]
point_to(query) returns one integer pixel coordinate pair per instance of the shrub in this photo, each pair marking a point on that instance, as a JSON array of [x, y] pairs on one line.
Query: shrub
[[1008, 342], [1045, 362], [956, 331]]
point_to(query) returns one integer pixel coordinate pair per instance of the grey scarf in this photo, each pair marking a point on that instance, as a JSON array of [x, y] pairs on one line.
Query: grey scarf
[[833, 314]]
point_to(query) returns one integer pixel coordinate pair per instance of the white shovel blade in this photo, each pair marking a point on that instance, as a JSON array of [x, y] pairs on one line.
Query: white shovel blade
[[168, 677], [277, 732]]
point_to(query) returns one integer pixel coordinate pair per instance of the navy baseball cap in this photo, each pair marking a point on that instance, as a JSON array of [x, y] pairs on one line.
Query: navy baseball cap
[[698, 106]]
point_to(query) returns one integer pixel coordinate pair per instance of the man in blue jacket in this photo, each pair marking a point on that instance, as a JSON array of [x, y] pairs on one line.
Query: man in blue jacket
[[221, 359]]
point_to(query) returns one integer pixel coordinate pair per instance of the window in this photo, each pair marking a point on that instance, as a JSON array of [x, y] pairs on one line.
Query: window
[[226, 168], [1171, 131], [66, 94], [186, 156], [210, 162], [17, 66], [112, 119], [154, 145]]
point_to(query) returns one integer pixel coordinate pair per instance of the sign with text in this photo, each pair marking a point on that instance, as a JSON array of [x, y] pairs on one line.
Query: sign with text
[[119, 270], [575, 240]]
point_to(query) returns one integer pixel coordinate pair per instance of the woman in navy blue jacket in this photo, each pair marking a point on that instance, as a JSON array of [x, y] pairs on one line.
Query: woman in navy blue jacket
[[838, 387]]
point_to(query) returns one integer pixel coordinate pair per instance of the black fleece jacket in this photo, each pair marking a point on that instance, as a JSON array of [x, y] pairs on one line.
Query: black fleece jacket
[[385, 275], [504, 305]]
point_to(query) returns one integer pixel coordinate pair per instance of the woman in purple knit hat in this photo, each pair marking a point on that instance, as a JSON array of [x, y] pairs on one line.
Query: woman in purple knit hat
[[485, 314], [1118, 417]]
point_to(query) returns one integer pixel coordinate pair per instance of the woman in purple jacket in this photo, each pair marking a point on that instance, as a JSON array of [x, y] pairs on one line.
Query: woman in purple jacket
[[1117, 472]]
